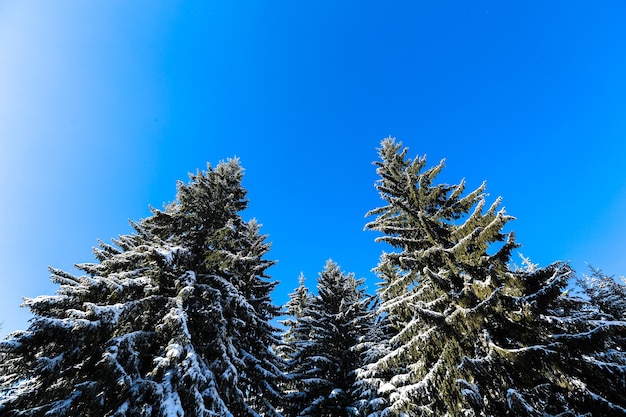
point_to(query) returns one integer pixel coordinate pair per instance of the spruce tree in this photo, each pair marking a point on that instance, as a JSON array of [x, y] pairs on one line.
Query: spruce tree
[[468, 336], [543, 352], [296, 307], [171, 320], [330, 332], [296, 335], [431, 287], [606, 293]]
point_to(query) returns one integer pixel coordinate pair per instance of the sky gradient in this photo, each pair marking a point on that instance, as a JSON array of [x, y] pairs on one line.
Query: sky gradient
[[104, 106]]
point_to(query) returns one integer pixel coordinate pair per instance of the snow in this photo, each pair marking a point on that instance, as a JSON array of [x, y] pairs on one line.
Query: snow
[[61, 407], [174, 351], [11, 343], [610, 405], [168, 253], [386, 387], [470, 391], [110, 311], [122, 409], [41, 299], [515, 399], [171, 405], [601, 325], [51, 363]]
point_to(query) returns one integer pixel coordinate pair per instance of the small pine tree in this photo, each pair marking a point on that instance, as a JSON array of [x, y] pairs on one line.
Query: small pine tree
[[328, 336], [297, 334], [172, 320], [295, 309]]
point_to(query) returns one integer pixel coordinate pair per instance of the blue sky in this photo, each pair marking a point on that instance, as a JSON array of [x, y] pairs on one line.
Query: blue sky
[[105, 105]]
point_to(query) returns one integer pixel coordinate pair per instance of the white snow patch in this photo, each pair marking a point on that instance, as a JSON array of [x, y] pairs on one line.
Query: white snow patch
[[174, 351], [386, 387]]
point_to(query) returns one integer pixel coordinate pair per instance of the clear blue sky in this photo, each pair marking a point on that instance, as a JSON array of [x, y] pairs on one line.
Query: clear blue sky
[[105, 105]]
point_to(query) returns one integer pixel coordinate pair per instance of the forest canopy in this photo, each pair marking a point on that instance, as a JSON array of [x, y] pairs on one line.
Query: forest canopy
[[176, 318]]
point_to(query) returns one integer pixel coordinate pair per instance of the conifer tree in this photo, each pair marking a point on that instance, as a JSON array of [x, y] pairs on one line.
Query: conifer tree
[[171, 320], [469, 336], [545, 353], [295, 336], [606, 293], [329, 333], [295, 310], [429, 291]]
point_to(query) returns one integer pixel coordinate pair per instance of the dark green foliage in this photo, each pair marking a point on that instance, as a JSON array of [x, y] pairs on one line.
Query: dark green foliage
[[297, 333], [604, 292], [325, 341], [539, 352], [436, 287], [172, 319], [468, 335], [295, 309]]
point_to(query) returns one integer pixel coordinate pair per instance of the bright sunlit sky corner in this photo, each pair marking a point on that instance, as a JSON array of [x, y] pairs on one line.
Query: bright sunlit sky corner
[[104, 106]]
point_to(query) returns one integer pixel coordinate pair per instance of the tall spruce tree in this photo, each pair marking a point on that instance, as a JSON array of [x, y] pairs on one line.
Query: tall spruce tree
[[431, 288], [172, 320], [468, 335], [327, 337]]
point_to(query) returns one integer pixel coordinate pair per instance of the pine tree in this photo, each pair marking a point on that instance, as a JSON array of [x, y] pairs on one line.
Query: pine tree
[[469, 336], [548, 353], [296, 335], [434, 288], [172, 320], [295, 310], [606, 293], [328, 336]]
